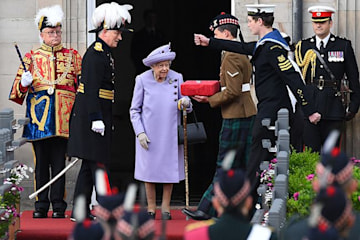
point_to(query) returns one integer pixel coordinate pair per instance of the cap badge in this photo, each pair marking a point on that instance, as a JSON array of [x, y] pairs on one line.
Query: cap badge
[[215, 23], [318, 14]]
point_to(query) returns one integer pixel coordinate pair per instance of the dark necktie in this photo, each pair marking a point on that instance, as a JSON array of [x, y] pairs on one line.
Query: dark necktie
[[322, 50]]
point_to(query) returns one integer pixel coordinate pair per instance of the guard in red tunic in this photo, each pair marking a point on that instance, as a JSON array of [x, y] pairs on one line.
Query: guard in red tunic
[[49, 82]]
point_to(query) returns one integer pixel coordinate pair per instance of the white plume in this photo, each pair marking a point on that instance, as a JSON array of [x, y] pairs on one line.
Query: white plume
[[54, 15], [112, 14], [330, 141], [228, 160], [80, 208], [100, 182], [130, 197]]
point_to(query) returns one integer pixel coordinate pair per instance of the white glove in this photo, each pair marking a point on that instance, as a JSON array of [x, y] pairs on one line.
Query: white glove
[[144, 140], [26, 79], [183, 103], [98, 127]]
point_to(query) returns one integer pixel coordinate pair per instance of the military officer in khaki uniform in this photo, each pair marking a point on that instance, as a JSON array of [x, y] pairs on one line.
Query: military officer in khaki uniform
[[237, 107]]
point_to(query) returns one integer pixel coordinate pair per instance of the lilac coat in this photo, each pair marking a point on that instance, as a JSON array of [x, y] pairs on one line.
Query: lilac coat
[[154, 111]]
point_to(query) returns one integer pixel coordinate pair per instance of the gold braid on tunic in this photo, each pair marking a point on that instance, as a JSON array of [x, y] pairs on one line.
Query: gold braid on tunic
[[310, 57]]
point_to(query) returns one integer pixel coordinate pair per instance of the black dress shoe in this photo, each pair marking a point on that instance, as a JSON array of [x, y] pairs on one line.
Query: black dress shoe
[[40, 213], [152, 215], [165, 216], [196, 215], [89, 216], [58, 214]]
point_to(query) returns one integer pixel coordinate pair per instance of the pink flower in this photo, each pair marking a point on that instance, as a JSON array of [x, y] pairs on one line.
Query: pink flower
[[274, 160], [354, 160], [359, 198], [296, 196], [310, 177]]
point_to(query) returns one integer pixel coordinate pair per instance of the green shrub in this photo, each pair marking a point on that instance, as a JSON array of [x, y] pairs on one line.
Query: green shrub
[[301, 167]]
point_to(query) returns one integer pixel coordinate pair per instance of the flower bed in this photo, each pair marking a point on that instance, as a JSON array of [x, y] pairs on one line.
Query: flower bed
[[300, 191], [10, 201]]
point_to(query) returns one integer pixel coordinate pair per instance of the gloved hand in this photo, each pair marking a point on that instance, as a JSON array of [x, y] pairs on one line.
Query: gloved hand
[[98, 127], [26, 79], [349, 116], [144, 140], [183, 103]]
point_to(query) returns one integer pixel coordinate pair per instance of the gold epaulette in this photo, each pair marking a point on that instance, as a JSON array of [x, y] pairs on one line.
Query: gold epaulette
[[199, 224]]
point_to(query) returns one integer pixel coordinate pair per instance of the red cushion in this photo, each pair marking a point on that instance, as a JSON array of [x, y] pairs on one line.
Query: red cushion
[[200, 87]]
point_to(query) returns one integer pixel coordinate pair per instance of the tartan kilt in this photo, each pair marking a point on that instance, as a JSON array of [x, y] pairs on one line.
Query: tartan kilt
[[235, 134]]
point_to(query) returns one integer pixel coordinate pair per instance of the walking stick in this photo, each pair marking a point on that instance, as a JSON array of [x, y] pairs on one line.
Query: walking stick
[[31, 196], [186, 162]]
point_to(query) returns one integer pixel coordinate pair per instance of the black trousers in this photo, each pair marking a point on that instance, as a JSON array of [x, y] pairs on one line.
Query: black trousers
[[315, 135], [86, 181], [50, 153]]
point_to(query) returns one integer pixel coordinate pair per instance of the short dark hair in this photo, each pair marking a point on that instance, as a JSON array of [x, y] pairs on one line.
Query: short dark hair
[[268, 20], [230, 27]]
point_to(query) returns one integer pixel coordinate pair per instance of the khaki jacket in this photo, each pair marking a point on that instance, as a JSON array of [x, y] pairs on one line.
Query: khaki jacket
[[234, 98]]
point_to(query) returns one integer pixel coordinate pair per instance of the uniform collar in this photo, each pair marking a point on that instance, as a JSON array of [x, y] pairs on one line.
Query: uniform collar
[[325, 41], [273, 36], [51, 49]]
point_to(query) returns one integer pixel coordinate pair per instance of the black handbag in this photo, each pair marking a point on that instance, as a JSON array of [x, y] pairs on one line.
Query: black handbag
[[195, 132]]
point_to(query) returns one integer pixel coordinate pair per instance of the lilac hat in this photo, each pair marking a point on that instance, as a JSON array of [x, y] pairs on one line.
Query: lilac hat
[[160, 54]]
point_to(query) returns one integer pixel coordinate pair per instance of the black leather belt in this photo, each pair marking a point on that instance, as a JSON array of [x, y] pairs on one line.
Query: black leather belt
[[321, 83]]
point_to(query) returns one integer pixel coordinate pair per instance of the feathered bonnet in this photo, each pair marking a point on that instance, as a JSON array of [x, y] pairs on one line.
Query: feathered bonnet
[[49, 17], [111, 16], [232, 187]]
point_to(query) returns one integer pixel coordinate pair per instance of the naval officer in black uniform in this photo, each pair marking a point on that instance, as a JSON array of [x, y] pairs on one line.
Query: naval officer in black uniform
[[339, 57], [273, 72], [91, 118]]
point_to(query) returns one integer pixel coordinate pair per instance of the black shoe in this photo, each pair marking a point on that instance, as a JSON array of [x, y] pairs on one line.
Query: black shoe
[[152, 215], [196, 215], [89, 216], [165, 216], [40, 213], [58, 214]]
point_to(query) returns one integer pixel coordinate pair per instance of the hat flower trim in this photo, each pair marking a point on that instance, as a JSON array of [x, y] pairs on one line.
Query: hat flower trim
[[124, 227], [341, 177], [146, 228], [105, 214], [127, 229], [234, 200]]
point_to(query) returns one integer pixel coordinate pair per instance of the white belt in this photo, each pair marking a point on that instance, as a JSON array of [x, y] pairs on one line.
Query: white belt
[[245, 87]]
